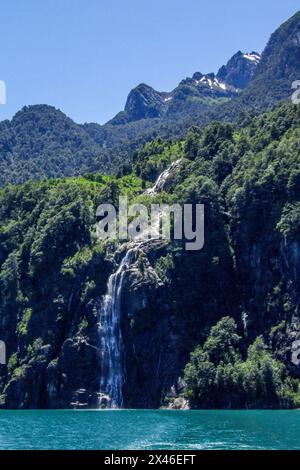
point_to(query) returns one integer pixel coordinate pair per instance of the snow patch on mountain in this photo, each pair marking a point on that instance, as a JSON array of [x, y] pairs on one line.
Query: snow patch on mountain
[[254, 57], [212, 82]]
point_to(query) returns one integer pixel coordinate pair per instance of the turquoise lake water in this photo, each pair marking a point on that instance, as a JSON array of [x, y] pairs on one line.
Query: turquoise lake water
[[136, 429]]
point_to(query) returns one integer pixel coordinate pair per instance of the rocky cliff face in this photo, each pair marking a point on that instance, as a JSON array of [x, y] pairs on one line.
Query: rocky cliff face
[[157, 337], [144, 102], [281, 57], [268, 281], [278, 68], [40, 141], [54, 272]]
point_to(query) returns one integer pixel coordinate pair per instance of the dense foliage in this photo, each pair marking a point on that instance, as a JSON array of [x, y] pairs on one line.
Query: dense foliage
[[53, 271], [218, 377], [52, 266]]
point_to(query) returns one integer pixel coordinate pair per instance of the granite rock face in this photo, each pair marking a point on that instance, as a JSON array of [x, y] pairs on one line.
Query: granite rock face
[[145, 102], [240, 69]]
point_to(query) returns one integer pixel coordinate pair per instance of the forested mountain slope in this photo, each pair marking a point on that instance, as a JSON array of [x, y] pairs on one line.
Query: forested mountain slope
[[234, 305], [42, 142]]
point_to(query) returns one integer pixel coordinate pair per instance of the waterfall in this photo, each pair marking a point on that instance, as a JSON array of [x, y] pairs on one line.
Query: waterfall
[[163, 178], [111, 343]]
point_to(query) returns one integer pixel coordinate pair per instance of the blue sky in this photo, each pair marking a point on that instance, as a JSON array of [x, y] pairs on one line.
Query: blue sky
[[84, 56]]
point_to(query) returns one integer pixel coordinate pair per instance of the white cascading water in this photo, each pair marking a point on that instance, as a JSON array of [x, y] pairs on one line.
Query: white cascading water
[[111, 343]]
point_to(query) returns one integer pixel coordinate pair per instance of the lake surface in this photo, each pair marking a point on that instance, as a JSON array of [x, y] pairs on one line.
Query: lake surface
[[143, 429]]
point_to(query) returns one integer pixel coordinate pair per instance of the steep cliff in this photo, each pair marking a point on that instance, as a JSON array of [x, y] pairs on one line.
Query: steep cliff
[[54, 273]]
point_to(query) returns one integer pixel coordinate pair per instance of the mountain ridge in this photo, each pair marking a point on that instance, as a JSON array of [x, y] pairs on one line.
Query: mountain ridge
[[144, 101], [196, 101]]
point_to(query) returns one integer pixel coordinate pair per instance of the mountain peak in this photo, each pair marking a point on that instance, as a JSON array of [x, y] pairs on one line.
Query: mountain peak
[[240, 69], [145, 102], [281, 57]]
